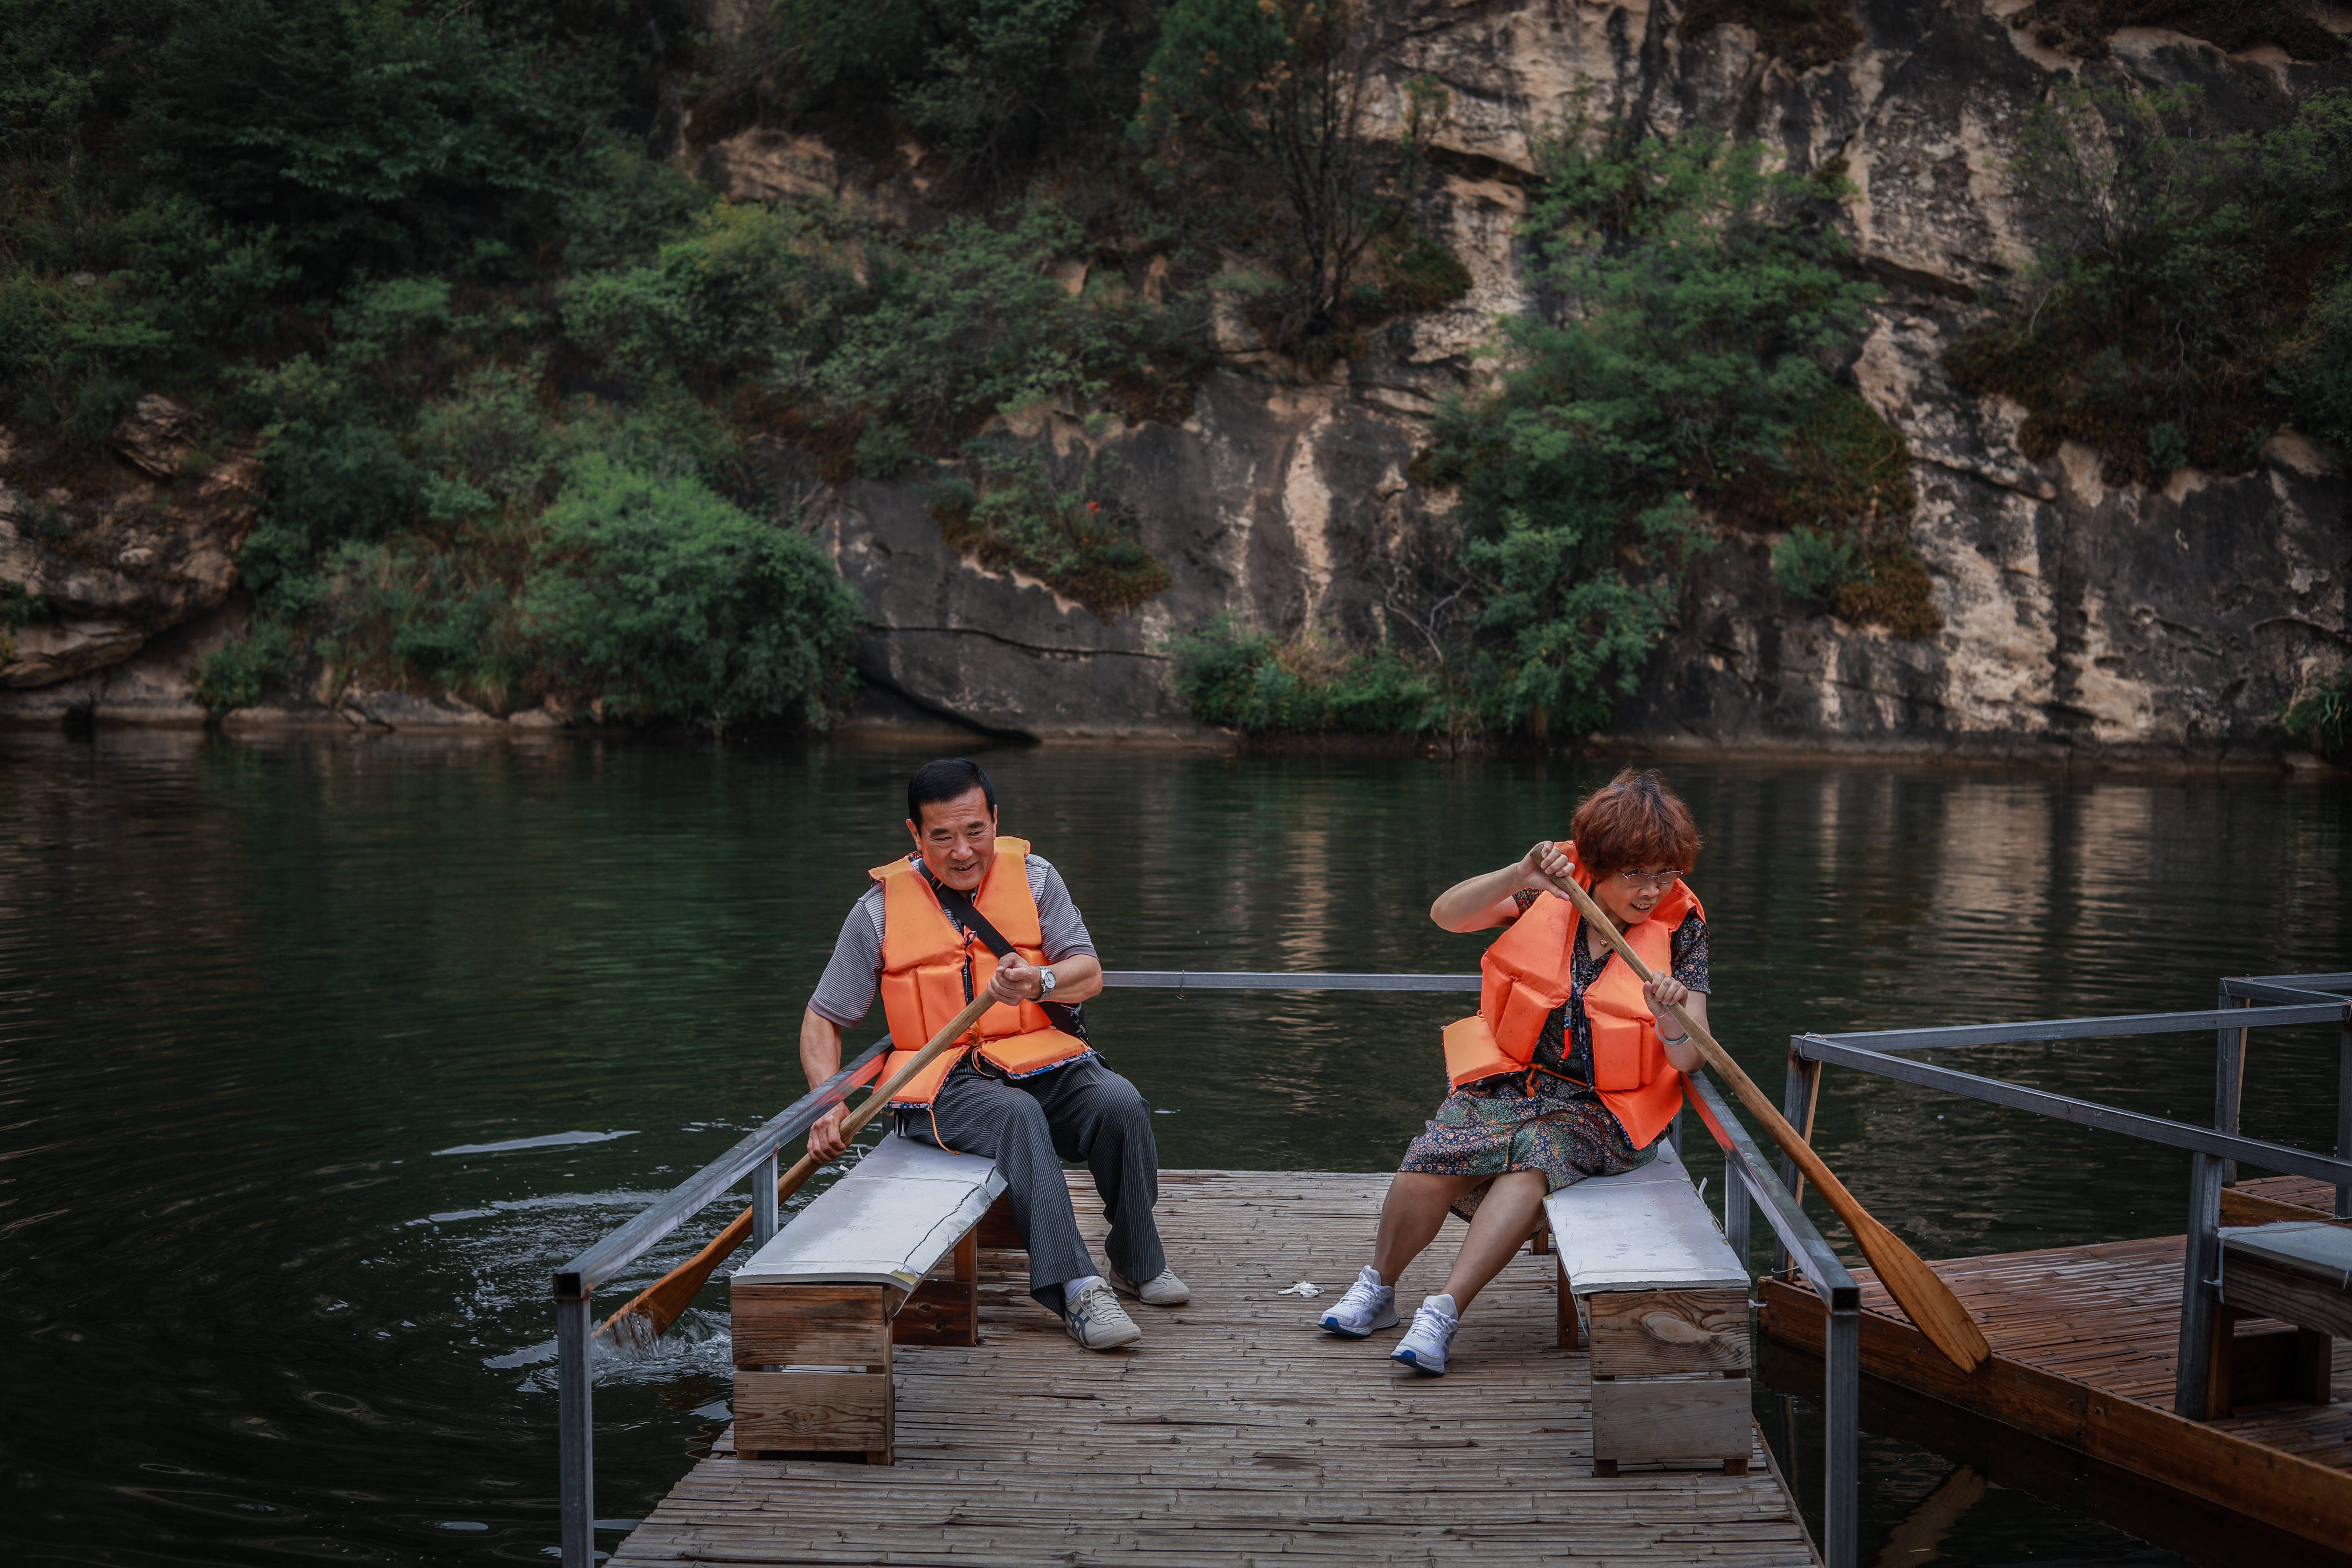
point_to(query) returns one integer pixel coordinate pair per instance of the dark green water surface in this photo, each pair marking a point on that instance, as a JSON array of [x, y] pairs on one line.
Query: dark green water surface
[[255, 1309]]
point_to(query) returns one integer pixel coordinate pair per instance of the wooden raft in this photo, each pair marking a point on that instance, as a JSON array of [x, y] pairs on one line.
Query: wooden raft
[[2268, 1198], [1236, 1432], [2084, 1341]]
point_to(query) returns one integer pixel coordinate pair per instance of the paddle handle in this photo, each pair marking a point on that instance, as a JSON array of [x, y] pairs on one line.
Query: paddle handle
[[1765, 1111], [855, 1123]]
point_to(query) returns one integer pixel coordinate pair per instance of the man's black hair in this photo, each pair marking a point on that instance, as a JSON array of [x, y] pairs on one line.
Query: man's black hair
[[945, 779]]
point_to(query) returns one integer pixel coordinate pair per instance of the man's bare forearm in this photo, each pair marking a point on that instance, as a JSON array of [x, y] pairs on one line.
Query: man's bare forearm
[[820, 1047]]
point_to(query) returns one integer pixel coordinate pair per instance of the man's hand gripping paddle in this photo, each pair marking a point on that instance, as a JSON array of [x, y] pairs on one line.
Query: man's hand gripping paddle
[[653, 1310], [1918, 1290]]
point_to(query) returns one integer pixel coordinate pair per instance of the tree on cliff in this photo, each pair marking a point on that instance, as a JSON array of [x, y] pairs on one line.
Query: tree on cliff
[[1276, 89], [1692, 287]]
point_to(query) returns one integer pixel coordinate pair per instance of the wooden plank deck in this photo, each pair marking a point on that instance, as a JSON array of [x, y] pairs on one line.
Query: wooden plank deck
[[1237, 1433], [2084, 1339], [2268, 1198]]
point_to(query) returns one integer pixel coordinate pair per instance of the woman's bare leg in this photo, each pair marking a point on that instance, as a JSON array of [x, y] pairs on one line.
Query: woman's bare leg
[[1411, 1215], [1506, 1217]]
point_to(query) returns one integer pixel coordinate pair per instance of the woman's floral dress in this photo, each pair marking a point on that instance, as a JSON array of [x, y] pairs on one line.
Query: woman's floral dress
[[1549, 1118]]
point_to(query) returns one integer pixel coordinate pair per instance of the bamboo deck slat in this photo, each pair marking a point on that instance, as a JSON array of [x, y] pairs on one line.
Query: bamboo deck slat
[[1237, 1433], [2084, 1340]]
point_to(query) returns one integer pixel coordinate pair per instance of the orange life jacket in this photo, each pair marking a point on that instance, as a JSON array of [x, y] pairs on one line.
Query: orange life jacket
[[930, 969], [1525, 975]]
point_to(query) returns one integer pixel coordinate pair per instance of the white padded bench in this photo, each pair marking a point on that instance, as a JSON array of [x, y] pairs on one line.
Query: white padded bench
[[1665, 1312], [816, 1310], [2299, 1273]]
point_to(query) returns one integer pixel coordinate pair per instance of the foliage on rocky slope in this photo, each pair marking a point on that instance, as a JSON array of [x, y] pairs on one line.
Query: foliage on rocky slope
[[539, 419]]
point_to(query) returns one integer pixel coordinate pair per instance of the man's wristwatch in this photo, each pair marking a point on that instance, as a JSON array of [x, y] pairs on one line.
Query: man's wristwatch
[[1046, 980]]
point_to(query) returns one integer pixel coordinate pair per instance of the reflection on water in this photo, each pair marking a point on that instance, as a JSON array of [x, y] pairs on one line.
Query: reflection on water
[[315, 1055]]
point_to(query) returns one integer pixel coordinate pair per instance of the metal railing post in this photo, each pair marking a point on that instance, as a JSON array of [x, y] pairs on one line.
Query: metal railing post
[[764, 1202], [2344, 1114], [575, 1459], [2200, 1247], [1744, 1163], [1796, 1088], [1735, 1215], [1842, 1439], [2200, 1266], [575, 1284], [2229, 1081]]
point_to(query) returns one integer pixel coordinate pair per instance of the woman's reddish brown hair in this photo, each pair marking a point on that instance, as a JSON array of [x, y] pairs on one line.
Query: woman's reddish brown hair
[[1634, 822]]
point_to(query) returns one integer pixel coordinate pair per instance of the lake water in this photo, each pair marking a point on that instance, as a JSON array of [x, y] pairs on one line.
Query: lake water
[[265, 1294]]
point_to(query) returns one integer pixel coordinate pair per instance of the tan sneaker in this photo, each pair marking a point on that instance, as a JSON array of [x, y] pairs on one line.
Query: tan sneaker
[[1098, 1322], [1162, 1289]]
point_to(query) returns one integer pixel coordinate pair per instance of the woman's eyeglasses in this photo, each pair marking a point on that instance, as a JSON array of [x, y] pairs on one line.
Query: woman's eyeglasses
[[1654, 881]]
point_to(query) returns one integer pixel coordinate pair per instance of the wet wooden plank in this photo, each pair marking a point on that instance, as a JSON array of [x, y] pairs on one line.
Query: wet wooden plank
[[2268, 1198], [2084, 1340], [1236, 1431]]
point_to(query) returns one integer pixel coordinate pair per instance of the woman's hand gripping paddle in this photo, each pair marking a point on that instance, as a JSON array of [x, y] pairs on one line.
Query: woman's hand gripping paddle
[[1918, 1290], [653, 1310]]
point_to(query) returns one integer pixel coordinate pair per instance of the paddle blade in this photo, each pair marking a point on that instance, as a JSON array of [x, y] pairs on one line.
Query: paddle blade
[[648, 1314], [1923, 1295]]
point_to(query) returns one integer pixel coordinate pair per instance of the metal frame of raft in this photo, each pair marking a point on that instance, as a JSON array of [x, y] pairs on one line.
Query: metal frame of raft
[[2178, 1447], [755, 1156]]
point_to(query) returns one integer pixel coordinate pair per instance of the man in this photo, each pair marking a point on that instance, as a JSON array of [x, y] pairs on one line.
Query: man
[[970, 909]]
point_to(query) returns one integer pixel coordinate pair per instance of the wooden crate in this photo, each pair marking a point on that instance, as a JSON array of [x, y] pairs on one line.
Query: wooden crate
[[1692, 1418], [813, 1369], [1636, 1334]]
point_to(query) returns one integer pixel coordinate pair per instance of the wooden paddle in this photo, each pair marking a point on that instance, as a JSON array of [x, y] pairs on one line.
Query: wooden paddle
[[1918, 1290], [653, 1310]]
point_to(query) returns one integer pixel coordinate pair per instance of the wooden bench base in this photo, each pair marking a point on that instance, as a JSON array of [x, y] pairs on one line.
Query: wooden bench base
[[888, 1256], [1669, 1375], [1648, 1289], [813, 1362], [2279, 1365]]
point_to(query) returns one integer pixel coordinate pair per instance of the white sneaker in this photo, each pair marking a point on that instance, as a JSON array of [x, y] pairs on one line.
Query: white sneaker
[[1098, 1322], [1367, 1308], [1162, 1289], [1423, 1345]]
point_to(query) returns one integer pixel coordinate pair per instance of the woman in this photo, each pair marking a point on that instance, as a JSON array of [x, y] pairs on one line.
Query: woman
[[1569, 1069]]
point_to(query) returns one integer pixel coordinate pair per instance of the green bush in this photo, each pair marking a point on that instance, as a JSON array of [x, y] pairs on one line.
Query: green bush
[[2317, 378], [233, 676], [994, 87], [1081, 541], [1698, 286], [58, 58], [1807, 561], [374, 140], [2323, 717], [747, 291], [2179, 307], [1841, 485], [944, 329], [623, 204], [1239, 679], [970, 320], [328, 483], [663, 600]]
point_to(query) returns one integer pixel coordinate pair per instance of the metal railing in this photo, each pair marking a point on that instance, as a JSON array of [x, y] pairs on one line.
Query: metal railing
[[2292, 999], [1840, 1541], [755, 1156], [576, 1281]]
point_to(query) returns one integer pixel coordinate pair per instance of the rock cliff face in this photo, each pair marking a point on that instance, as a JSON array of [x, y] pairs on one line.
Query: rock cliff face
[[1277, 502], [131, 567], [2077, 616]]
